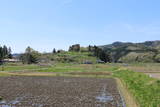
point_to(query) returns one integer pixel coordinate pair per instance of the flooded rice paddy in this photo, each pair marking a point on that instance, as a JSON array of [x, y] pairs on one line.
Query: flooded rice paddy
[[23, 91]]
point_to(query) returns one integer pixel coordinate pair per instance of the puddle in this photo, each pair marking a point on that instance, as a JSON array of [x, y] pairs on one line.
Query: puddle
[[122, 101], [8, 104], [4, 104], [104, 97], [17, 102], [12, 103], [66, 81]]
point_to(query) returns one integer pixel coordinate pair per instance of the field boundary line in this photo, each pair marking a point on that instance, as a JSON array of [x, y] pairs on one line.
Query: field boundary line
[[23, 70]]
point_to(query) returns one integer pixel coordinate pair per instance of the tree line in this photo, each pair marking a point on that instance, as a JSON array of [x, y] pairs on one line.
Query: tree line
[[31, 56], [99, 53], [5, 52]]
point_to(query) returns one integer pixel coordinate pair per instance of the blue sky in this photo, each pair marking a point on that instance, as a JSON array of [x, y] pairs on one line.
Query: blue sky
[[48, 24]]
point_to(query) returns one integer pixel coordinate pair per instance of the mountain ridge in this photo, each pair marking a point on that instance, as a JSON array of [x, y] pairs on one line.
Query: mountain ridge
[[148, 51]]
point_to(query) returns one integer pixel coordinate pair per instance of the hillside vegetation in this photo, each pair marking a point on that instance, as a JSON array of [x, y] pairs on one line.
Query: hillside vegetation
[[75, 54], [70, 57], [148, 51]]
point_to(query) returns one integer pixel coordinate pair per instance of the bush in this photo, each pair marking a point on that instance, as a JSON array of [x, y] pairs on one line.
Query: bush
[[157, 58], [30, 56]]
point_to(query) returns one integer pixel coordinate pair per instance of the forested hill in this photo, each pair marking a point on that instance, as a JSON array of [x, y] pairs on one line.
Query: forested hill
[[148, 51]]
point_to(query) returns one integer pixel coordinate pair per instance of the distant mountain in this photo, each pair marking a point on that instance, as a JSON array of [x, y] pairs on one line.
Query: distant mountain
[[148, 51], [16, 55]]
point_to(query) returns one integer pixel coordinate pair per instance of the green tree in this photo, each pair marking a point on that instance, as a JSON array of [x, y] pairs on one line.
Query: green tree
[[5, 52], [89, 48], [54, 51], [104, 56], [1, 53], [101, 54], [10, 53], [97, 51], [30, 56]]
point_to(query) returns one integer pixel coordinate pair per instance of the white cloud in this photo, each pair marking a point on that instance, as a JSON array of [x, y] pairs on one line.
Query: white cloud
[[66, 2]]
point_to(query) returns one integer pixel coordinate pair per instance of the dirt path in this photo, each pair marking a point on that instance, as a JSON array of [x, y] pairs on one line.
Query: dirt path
[[154, 75]]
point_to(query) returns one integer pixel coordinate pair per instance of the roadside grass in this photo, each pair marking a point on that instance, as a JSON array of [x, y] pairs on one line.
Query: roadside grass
[[144, 89]]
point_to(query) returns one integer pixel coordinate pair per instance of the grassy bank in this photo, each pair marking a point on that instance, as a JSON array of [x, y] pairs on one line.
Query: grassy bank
[[19, 67], [62, 67], [144, 89]]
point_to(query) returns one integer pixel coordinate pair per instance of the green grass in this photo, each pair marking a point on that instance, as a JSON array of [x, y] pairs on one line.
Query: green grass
[[19, 67], [2, 74], [60, 67], [146, 90], [74, 57], [77, 68]]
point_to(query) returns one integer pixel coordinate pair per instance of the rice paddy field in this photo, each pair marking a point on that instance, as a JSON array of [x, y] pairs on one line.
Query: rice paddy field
[[59, 92], [80, 85]]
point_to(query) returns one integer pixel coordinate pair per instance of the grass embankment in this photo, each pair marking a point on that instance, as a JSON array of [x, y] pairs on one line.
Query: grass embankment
[[4, 74], [20, 67], [62, 67], [143, 88], [126, 95]]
